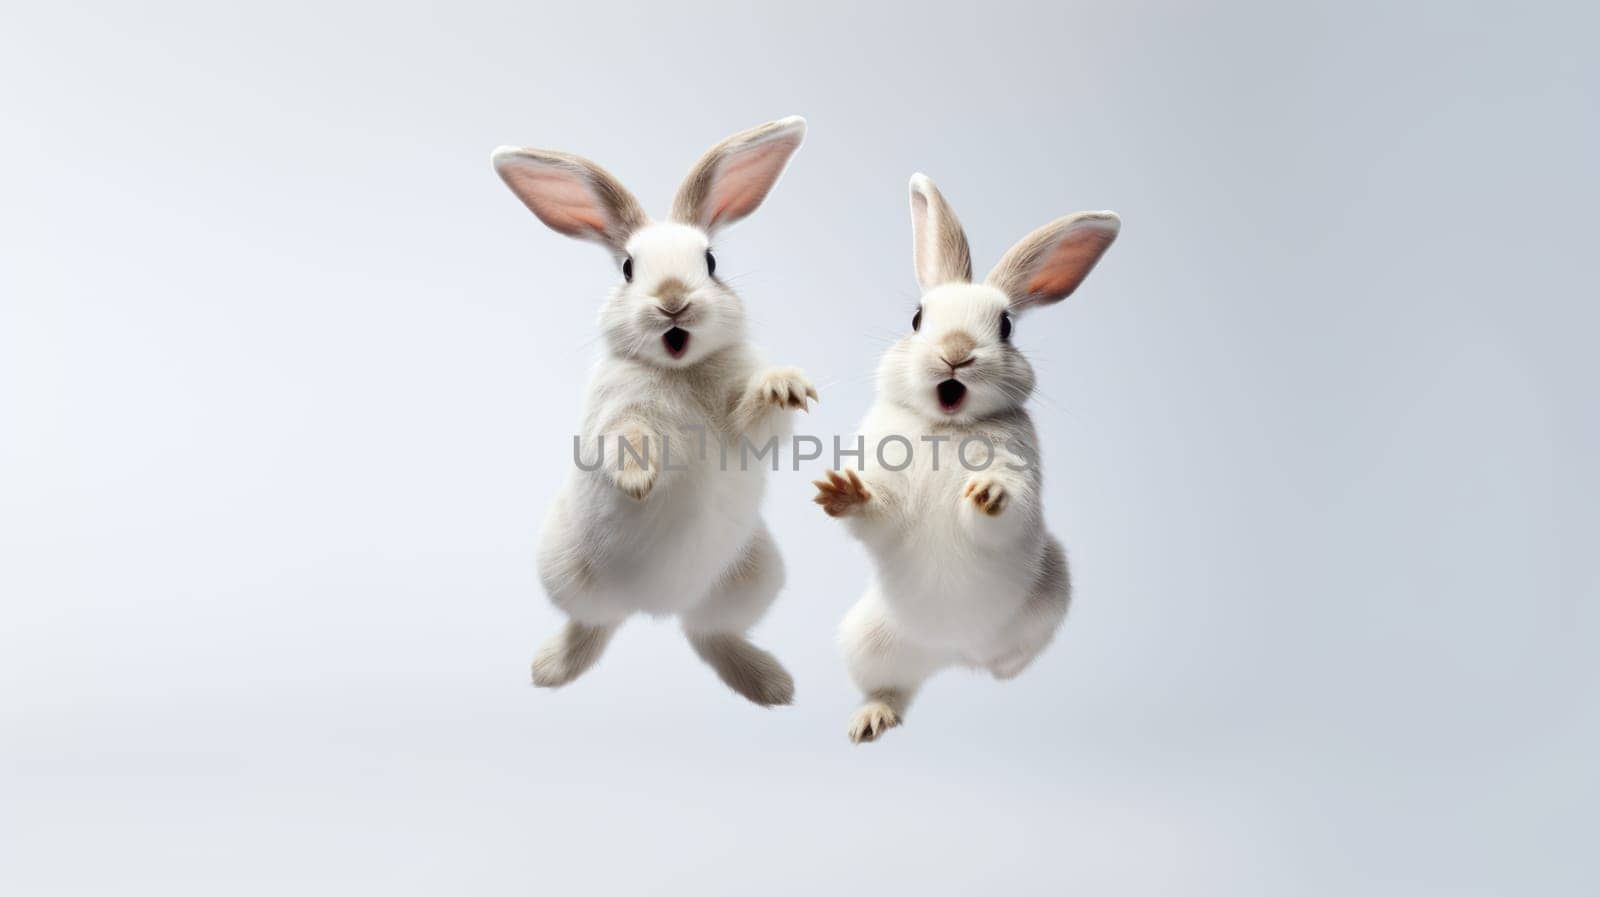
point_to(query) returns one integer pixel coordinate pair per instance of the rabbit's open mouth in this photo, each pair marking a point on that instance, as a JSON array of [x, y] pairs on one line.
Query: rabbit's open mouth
[[951, 394], [677, 341]]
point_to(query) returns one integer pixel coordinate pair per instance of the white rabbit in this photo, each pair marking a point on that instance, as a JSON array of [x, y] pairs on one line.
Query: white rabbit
[[660, 527], [965, 573]]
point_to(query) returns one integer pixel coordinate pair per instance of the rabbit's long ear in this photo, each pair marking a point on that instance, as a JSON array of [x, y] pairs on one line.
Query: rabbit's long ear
[[1048, 264], [938, 244], [571, 194], [734, 176]]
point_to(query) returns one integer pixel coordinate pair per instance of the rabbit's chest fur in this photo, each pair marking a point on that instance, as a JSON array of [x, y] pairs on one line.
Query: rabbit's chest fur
[[660, 555], [942, 584]]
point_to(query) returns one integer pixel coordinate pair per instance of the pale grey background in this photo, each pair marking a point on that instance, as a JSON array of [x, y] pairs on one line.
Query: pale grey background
[[287, 379]]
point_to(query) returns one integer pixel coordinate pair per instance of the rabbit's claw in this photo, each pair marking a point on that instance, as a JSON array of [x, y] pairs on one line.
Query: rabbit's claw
[[987, 494], [872, 720], [839, 493], [786, 388]]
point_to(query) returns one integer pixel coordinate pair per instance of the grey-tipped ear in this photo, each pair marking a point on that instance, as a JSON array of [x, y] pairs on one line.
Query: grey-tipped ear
[[1048, 264], [938, 244], [732, 178], [571, 194]]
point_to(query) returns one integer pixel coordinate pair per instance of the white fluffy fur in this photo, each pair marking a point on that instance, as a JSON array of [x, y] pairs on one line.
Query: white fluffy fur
[[650, 538], [965, 572]]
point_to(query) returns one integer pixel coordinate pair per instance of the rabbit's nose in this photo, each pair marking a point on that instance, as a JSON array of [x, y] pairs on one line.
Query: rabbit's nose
[[672, 296], [957, 345]]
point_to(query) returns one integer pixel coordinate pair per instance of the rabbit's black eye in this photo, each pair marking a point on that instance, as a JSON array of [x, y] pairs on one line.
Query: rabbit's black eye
[[627, 269], [916, 320], [711, 263], [1005, 326]]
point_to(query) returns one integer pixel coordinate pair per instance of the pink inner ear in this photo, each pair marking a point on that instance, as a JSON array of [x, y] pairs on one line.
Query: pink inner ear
[[743, 180], [1068, 263], [560, 199]]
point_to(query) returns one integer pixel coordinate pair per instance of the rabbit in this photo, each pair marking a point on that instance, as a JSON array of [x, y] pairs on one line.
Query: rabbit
[[660, 527], [965, 572]]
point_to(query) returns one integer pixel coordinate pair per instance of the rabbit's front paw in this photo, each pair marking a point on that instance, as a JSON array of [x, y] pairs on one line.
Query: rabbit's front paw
[[873, 719], [634, 478], [785, 388], [987, 493], [839, 494]]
